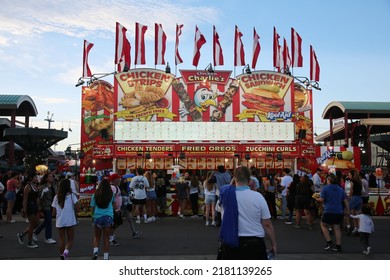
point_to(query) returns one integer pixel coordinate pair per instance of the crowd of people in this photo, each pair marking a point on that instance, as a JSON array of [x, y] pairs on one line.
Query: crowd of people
[[243, 204]]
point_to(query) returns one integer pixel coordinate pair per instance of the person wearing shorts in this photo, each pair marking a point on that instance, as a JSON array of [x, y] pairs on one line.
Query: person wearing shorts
[[12, 184], [138, 185], [103, 205], [331, 196]]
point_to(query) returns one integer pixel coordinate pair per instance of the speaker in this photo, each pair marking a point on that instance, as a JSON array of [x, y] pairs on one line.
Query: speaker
[[104, 134], [247, 156], [279, 157], [81, 154], [302, 134], [148, 156], [182, 156]]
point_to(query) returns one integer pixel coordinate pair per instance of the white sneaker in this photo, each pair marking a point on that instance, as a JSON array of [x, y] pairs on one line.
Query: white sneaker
[[214, 224], [147, 220], [207, 223], [35, 237], [50, 241], [367, 251], [138, 221]]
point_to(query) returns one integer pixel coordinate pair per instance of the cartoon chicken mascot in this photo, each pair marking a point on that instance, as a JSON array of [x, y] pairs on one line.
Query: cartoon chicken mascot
[[204, 97]]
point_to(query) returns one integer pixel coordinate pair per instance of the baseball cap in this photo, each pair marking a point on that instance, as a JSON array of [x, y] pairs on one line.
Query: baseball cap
[[114, 176]]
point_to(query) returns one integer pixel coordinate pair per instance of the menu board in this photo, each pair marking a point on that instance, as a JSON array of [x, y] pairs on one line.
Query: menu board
[[168, 162], [191, 163], [183, 162], [229, 163], [201, 163], [288, 163], [121, 163], [269, 162], [149, 164], [139, 162], [220, 161], [210, 163], [130, 163], [279, 164], [260, 163], [204, 131], [159, 163]]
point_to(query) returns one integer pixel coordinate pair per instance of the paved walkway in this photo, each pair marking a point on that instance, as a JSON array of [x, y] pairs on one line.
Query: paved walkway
[[189, 239]]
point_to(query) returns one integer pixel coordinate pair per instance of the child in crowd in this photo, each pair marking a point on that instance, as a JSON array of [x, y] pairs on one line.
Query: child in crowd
[[366, 227]]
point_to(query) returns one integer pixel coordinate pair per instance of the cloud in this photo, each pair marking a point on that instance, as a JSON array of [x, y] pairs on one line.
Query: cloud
[[94, 18]]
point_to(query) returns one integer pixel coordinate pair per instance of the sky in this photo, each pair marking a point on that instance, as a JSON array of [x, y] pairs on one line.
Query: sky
[[41, 46]]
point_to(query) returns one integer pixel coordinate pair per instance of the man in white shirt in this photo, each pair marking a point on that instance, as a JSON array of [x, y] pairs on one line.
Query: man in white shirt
[[285, 183], [317, 182]]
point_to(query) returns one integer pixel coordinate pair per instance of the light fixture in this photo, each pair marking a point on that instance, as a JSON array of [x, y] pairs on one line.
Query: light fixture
[[246, 70], [236, 155], [315, 134], [287, 71], [279, 156], [148, 156], [168, 69], [209, 68], [80, 82], [182, 156], [126, 68], [247, 156]]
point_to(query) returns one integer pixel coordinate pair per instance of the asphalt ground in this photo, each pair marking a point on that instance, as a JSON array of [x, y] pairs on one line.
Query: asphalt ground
[[173, 238]]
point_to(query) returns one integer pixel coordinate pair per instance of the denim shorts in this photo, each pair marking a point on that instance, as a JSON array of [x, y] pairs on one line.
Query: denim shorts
[[10, 195], [151, 195], [355, 203], [103, 222], [210, 199]]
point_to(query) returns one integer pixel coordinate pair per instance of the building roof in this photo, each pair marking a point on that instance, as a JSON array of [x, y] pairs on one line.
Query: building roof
[[357, 110], [23, 104]]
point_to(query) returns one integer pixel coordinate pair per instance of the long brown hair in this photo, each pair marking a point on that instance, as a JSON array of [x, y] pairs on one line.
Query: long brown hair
[[209, 186], [63, 190], [194, 181], [103, 194]]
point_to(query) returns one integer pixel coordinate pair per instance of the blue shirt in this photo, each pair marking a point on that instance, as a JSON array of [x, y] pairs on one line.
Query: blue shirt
[[333, 196], [100, 212]]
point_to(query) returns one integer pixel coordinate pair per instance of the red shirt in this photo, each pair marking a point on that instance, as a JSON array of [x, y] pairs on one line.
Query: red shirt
[[12, 184]]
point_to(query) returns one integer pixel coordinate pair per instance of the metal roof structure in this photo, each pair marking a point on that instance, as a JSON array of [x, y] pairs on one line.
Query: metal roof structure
[[372, 115], [23, 105]]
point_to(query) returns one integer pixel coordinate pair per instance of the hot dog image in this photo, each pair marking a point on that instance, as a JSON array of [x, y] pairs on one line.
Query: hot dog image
[[264, 98]]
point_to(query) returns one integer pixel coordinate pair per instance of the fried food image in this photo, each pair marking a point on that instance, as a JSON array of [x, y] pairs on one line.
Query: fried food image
[[264, 98], [301, 96], [98, 96], [142, 97], [94, 127]]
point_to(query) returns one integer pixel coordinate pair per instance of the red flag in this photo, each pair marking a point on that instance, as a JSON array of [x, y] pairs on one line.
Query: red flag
[[314, 66], [140, 43], [276, 50], [296, 49], [159, 44], [239, 53], [199, 42], [286, 56], [256, 48], [217, 49], [122, 48], [86, 70], [178, 59]]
